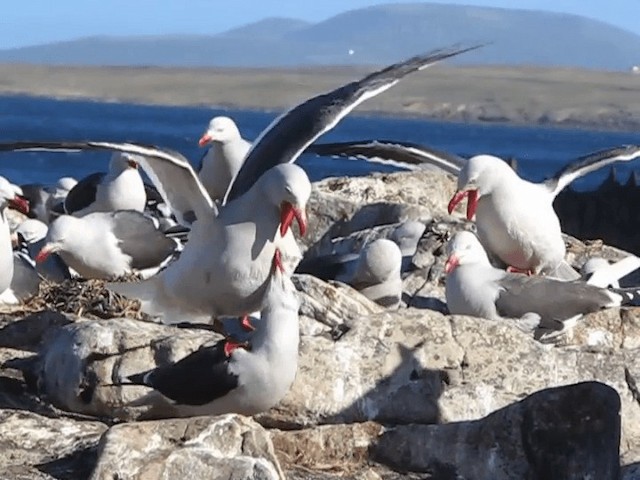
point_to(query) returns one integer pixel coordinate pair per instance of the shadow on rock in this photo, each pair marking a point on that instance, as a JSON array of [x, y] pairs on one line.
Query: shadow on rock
[[570, 433]]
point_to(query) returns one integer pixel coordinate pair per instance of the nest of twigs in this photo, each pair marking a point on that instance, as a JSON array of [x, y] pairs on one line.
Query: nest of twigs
[[86, 298]]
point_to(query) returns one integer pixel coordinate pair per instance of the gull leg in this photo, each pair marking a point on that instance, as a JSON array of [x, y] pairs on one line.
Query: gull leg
[[511, 269]]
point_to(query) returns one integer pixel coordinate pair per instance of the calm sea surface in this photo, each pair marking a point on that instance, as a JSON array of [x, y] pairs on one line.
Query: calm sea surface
[[540, 150]]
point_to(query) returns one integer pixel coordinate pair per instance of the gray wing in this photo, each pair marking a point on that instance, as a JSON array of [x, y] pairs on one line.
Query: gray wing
[[590, 163], [170, 172], [402, 154], [287, 137], [139, 238], [554, 300]]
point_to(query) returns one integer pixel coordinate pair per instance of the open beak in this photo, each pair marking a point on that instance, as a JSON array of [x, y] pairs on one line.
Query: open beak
[[206, 139], [132, 164], [20, 204], [472, 202], [287, 213], [45, 251], [452, 262]]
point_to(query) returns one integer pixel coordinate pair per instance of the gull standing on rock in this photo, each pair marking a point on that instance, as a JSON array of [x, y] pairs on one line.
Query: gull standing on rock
[[233, 378], [225, 266], [224, 158], [515, 218], [474, 287], [119, 189]]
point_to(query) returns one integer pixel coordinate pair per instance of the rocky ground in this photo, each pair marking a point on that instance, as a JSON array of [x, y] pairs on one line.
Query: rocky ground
[[525, 95], [411, 393]]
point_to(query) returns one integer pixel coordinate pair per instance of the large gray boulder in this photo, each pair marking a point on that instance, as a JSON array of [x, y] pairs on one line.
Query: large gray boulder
[[223, 447]]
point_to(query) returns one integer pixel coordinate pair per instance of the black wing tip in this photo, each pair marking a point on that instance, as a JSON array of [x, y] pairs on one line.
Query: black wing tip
[[139, 379]]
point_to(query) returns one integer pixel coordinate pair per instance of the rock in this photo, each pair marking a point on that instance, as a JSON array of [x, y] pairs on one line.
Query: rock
[[79, 363], [54, 444], [227, 446], [570, 432], [332, 304], [329, 447], [415, 195]]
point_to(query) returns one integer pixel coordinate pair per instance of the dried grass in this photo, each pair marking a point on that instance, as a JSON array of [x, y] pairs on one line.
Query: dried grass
[[85, 298]]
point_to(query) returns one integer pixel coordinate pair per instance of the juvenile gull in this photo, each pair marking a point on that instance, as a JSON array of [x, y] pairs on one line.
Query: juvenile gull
[[119, 189], [225, 265], [224, 157], [107, 245], [515, 218], [474, 287], [231, 378]]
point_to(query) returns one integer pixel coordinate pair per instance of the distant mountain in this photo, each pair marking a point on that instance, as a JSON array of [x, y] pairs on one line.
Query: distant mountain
[[374, 35]]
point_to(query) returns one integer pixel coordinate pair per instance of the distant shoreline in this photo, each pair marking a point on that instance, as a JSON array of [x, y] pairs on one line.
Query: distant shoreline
[[506, 95]]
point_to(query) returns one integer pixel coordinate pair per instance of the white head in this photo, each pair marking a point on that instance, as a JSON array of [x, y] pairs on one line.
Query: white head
[[465, 249], [63, 232], [66, 183], [379, 261], [9, 197], [287, 187], [479, 177], [122, 161], [220, 129]]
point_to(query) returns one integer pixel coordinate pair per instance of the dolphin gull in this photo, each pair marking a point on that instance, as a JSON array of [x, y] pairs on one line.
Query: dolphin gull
[[119, 189], [224, 158], [474, 287], [515, 218], [377, 273], [225, 265], [8, 198], [227, 378], [107, 245]]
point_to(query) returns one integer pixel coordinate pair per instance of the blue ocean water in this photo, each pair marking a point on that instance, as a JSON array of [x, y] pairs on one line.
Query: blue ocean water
[[540, 151]]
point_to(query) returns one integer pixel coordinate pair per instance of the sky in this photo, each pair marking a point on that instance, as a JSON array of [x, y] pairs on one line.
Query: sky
[[32, 22]]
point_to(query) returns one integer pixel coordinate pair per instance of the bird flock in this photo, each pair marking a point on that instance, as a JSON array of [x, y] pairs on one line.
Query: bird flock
[[218, 241]]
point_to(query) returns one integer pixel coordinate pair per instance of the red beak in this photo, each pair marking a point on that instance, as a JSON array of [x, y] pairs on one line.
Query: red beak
[[287, 213], [451, 263], [205, 140], [20, 204], [472, 202], [43, 254]]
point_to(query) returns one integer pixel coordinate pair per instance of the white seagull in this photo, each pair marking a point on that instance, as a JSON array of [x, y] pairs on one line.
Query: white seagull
[[474, 287], [224, 158], [119, 189], [225, 265], [515, 218], [107, 245], [234, 378], [8, 198]]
